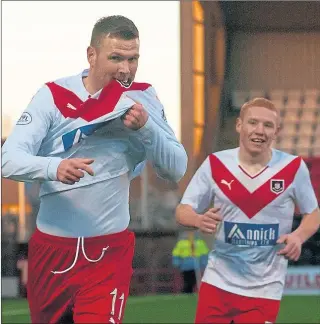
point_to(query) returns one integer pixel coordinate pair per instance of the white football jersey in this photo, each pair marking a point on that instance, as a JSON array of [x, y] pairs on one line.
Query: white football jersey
[[256, 210], [64, 121]]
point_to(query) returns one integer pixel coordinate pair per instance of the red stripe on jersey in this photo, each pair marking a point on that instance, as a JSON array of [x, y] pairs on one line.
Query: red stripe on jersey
[[63, 97], [250, 203], [70, 105]]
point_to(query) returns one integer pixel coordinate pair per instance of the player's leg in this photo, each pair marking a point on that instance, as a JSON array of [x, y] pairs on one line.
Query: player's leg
[[102, 303], [212, 305], [270, 309], [49, 295], [105, 284], [193, 280], [188, 281], [250, 316], [257, 310], [184, 281]]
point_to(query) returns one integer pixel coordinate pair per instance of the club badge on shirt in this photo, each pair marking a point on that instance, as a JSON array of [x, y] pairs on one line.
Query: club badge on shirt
[[276, 186]]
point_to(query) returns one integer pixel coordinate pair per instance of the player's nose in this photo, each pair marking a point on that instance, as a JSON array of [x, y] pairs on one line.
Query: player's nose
[[124, 67], [259, 129]]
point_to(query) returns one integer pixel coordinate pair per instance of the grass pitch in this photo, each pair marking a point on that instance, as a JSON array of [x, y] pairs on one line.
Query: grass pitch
[[177, 309]]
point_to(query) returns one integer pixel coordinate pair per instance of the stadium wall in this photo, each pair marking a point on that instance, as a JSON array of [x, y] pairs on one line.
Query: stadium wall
[[266, 61]]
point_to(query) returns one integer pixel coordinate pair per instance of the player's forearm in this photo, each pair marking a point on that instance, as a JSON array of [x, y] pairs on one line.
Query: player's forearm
[[309, 225], [186, 216], [20, 166], [167, 155]]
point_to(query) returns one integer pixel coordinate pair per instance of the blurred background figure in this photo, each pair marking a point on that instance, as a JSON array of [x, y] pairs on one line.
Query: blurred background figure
[[190, 256], [32, 194], [9, 246]]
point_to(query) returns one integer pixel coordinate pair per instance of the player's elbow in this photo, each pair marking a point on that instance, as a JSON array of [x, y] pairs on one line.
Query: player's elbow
[[181, 166], [174, 175], [169, 175], [176, 170], [5, 171], [12, 165], [178, 175], [9, 169], [6, 165]]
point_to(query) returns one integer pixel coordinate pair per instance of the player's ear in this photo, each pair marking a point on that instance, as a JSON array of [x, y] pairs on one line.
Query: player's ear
[[278, 130], [238, 124], [91, 55], [278, 126]]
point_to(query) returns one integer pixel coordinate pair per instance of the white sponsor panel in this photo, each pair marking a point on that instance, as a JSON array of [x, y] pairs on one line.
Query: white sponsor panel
[[303, 280]]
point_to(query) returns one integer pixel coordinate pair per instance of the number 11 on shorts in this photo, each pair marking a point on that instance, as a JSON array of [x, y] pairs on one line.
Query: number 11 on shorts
[[114, 294]]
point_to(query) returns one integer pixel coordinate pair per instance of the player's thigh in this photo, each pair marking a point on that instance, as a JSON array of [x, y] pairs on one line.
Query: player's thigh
[[48, 295], [261, 311], [251, 316], [58, 312], [104, 286], [104, 302], [211, 307], [269, 309]]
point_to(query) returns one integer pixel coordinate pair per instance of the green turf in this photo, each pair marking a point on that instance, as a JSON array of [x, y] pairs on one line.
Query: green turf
[[178, 309]]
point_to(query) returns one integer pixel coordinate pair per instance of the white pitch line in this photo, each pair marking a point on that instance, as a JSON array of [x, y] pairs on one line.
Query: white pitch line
[[15, 312], [135, 300]]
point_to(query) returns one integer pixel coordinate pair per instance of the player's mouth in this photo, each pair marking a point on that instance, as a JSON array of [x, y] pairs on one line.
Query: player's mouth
[[125, 82], [258, 140]]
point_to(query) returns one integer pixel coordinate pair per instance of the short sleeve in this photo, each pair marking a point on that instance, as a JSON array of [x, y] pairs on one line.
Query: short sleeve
[[200, 191], [304, 194]]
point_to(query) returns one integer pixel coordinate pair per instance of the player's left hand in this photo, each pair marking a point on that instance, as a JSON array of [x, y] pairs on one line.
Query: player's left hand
[[292, 250], [135, 117]]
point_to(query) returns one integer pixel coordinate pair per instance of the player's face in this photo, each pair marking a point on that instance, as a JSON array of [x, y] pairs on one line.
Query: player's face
[[115, 58], [258, 129]]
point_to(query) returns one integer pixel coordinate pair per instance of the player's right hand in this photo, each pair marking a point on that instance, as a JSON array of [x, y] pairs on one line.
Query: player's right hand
[[70, 171], [209, 221], [136, 117]]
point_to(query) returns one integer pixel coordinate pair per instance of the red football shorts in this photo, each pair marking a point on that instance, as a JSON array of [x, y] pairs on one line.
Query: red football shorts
[[84, 279], [219, 306]]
